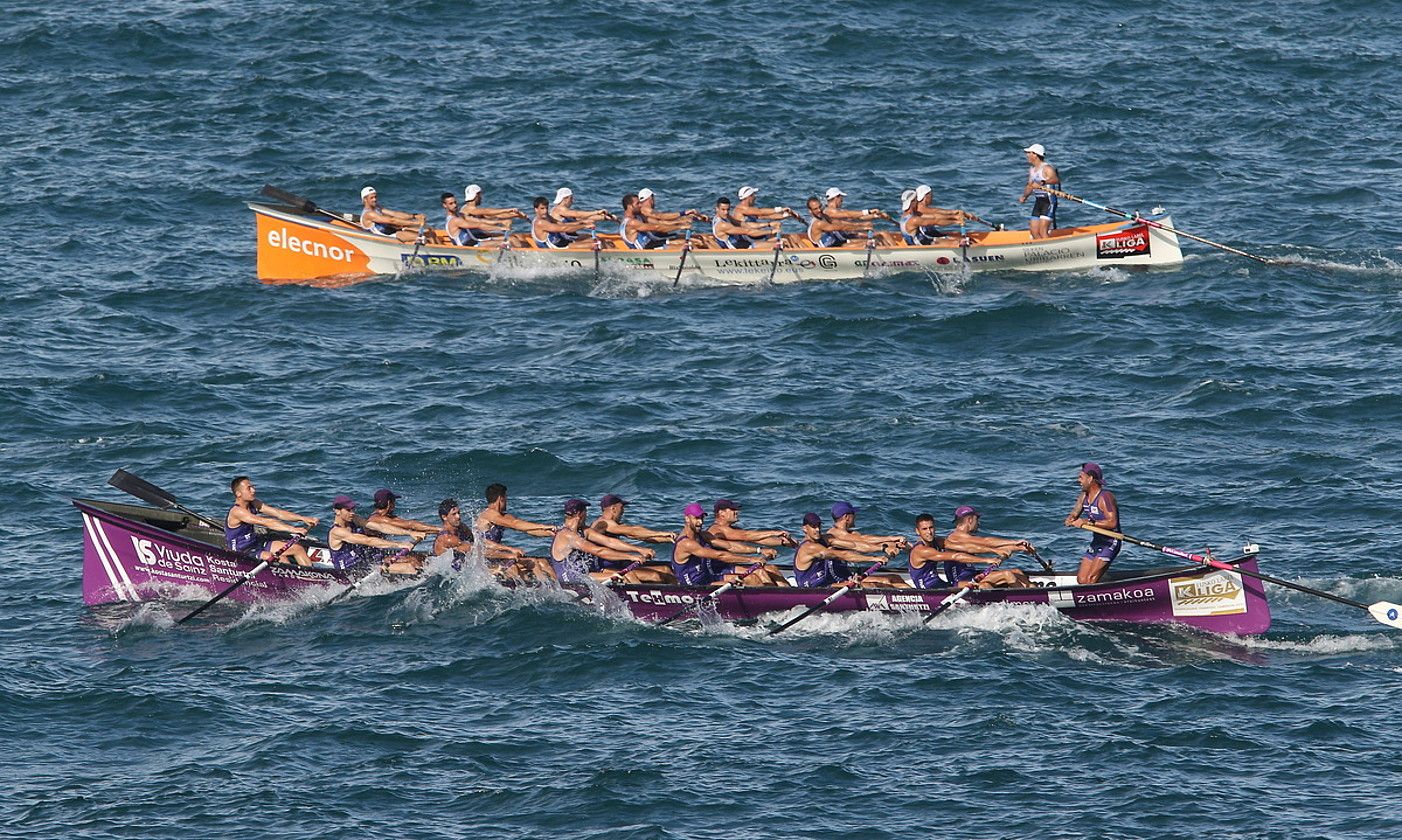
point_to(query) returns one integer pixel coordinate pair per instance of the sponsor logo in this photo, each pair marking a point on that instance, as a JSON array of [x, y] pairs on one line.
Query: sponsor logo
[[1037, 256], [1125, 243], [1066, 599], [1219, 593], [981, 258], [280, 238], [168, 559], [657, 596], [744, 263], [429, 261]]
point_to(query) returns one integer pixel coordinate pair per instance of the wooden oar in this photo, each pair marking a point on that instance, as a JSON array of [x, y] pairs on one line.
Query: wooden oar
[[871, 246], [712, 597], [242, 580], [686, 249], [778, 249], [1383, 611], [144, 490], [373, 572], [1151, 223], [828, 600]]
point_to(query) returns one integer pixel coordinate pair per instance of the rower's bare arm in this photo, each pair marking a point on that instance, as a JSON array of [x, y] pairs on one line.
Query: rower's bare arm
[[723, 556], [385, 527], [638, 532], [515, 523], [1111, 510], [346, 535], [497, 551], [1075, 513], [599, 538]]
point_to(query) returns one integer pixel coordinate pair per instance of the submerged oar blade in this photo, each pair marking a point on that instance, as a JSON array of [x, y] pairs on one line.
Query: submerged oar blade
[[142, 489], [1386, 613]]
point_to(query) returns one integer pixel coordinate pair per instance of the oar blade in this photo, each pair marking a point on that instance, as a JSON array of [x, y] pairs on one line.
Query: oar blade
[[306, 205], [1387, 613], [142, 489]]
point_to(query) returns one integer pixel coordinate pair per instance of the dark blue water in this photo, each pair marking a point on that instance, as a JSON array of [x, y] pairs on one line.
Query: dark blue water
[[1227, 400]]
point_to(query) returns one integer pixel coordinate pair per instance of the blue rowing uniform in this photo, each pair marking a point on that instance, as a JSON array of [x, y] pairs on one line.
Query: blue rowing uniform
[[1101, 547], [465, 236], [821, 573], [1044, 203], [735, 241], [831, 239], [553, 239], [244, 538], [643, 240]]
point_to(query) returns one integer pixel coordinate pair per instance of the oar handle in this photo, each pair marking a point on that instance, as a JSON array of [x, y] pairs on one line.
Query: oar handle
[[245, 578], [619, 575], [713, 596]]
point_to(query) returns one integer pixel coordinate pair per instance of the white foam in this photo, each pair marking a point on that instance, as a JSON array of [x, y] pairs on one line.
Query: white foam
[[1326, 644]]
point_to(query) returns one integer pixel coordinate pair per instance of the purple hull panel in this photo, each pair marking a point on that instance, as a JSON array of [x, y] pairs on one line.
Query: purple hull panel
[[130, 560]]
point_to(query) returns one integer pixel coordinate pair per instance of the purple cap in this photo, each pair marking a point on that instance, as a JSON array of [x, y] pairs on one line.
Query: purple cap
[[384, 496], [813, 519], [726, 504], [343, 502], [574, 506], [1093, 470], [841, 509], [610, 500], [695, 510], [963, 511]]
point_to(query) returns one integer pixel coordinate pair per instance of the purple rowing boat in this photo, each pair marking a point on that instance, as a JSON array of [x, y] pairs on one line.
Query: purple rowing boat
[[135, 553]]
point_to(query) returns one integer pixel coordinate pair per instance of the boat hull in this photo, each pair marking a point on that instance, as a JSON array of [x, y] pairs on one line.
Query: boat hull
[[297, 246], [1208, 599], [133, 554]]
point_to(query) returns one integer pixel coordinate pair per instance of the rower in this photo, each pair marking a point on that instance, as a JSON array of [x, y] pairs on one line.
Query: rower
[[249, 511], [456, 537], [736, 235], [376, 219], [921, 224], [727, 513], [964, 536], [747, 209], [640, 233], [843, 534], [491, 524], [1095, 506], [468, 231], [384, 515], [961, 550], [825, 231], [698, 559], [579, 554], [647, 208], [610, 523], [832, 208], [472, 207], [562, 208], [818, 563], [927, 554], [549, 232], [1040, 174], [349, 543]]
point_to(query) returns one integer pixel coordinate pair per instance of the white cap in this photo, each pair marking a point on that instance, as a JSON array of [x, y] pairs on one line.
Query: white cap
[[644, 194], [472, 191], [922, 190], [746, 191], [563, 193], [1036, 149], [907, 196], [833, 192], [367, 191]]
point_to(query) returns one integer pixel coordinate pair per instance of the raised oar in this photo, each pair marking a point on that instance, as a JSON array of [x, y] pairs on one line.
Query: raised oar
[[306, 205], [373, 572], [1383, 611], [1151, 223], [686, 249], [828, 600], [712, 597], [144, 490], [241, 581]]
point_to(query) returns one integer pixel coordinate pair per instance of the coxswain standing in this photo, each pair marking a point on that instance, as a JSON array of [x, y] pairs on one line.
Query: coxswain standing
[[578, 553], [376, 219], [819, 564], [350, 545], [698, 559], [240, 533], [1095, 506], [1040, 174]]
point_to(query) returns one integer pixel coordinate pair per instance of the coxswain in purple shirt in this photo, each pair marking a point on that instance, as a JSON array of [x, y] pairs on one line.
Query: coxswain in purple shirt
[[1095, 506]]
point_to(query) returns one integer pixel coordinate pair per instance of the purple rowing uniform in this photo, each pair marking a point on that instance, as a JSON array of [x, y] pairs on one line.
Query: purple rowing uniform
[[698, 571], [927, 576], [244, 538], [349, 554], [1101, 547], [821, 573], [576, 566]]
